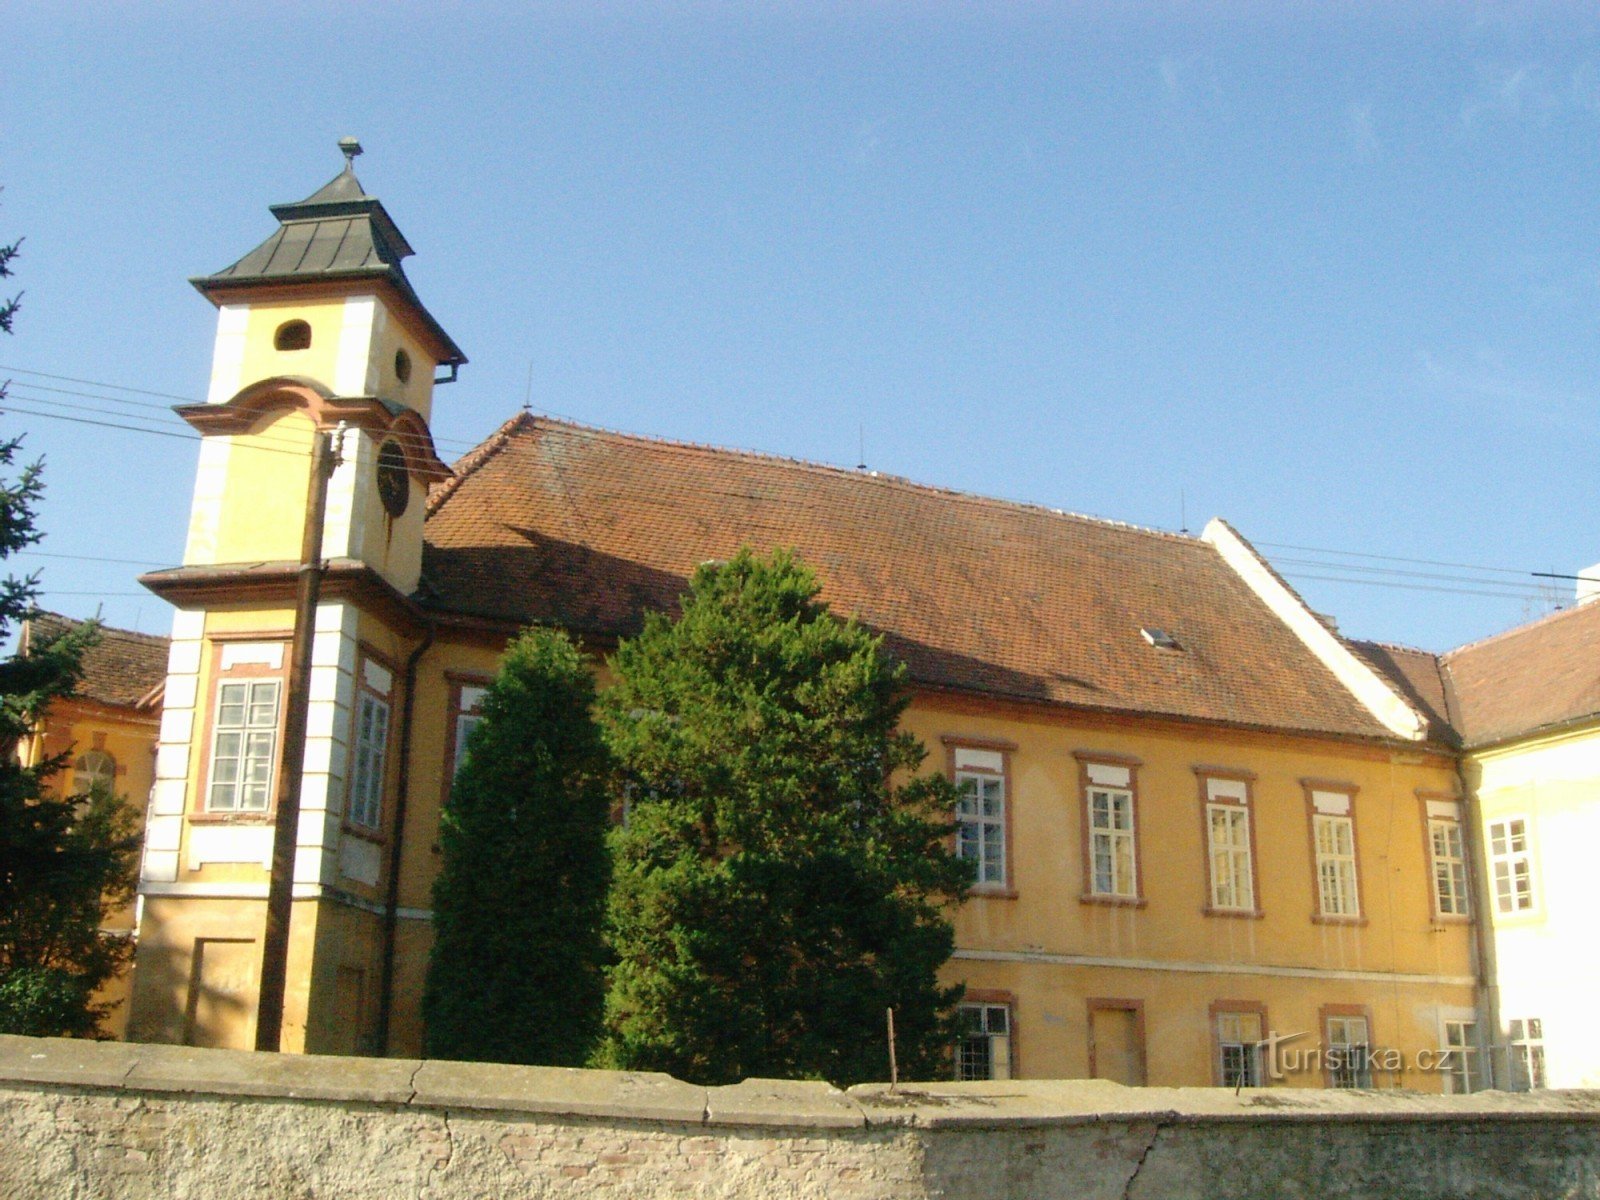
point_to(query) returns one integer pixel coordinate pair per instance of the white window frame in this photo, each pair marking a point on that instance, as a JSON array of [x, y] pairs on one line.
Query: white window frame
[[1230, 864], [1510, 847], [1462, 1055], [469, 711], [1334, 838], [983, 1051], [1447, 855], [1525, 1054], [1241, 1057], [256, 745], [1112, 841], [1348, 1040], [981, 772], [369, 745], [91, 767]]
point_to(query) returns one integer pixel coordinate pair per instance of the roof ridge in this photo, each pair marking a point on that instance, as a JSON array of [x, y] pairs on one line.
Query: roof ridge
[[1382, 645], [113, 630], [506, 430], [470, 462], [1516, 630]]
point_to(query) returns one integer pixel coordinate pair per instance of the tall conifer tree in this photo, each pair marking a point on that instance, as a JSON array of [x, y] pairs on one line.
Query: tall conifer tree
[[516, 969], [782, 877], [65, 862]]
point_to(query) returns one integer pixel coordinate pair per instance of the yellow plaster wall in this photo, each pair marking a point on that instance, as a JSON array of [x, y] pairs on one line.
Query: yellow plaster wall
[[263, 503], [1047, 917], [317, 361], [72, 727], [172, 1004]]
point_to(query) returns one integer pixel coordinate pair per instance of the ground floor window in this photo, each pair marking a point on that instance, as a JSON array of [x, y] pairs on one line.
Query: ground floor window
[[984, 1051], [1239, 1055], [1349, 1056], [1527, 1053], [1463, 1062]]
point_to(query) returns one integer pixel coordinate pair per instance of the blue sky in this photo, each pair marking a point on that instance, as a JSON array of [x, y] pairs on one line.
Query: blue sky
[[1330, 272]]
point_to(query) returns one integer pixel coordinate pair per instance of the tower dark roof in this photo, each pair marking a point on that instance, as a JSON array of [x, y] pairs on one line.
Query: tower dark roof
[[339, 232]]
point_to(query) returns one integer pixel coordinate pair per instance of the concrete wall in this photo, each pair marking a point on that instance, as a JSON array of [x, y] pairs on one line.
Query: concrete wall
[[114, 1120]]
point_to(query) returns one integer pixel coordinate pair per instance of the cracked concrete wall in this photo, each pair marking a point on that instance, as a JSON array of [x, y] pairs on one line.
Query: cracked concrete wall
[[83, 1119]]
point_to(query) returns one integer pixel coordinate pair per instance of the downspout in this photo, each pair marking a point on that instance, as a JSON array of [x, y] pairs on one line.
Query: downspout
[[391, 908], [1482, 935]]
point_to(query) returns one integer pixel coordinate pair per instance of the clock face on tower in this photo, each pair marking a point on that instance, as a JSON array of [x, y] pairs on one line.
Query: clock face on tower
[[394, 483]]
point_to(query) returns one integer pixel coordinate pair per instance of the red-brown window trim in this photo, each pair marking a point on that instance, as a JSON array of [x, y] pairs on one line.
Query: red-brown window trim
[[1007, 998], [1087, 894], [379, 833], [1215, 1010], [1204, 773], [200, 812], [457, 682], [952, 743], [1309, 786], [1424, 797], [1340, 1010], [1096, 1004]]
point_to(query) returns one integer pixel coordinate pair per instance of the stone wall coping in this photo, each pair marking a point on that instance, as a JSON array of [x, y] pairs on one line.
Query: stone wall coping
[[792, 1104]]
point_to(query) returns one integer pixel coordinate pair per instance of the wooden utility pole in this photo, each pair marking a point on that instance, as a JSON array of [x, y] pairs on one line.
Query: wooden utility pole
[[291, 760]]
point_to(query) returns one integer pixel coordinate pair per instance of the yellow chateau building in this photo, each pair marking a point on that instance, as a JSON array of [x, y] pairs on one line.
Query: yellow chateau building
[[1197, 814]]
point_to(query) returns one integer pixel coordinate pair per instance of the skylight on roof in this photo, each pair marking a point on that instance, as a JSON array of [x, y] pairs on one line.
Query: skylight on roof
[[1160, 638]]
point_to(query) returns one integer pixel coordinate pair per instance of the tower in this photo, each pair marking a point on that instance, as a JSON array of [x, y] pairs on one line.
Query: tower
[[318, 330]]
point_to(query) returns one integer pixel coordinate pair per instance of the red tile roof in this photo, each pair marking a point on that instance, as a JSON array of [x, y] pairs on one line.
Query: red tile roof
[[1538, 676], [558, 523], [121, 670]]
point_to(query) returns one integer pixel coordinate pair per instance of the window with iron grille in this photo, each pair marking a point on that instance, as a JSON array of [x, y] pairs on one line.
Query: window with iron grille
[[984, 1051]]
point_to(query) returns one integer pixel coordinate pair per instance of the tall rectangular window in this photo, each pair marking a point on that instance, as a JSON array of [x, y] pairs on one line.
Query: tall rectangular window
[[1110, 824], [244, 745], [1347, 1048], [1333, 848], [1238, 1034], [1447, 858], [1527, 1054], [1463, 1064], [984, 1051], [1511, 865], [1229, 842], [979, 771], [1111, 842], [467, 707], [370, 745]]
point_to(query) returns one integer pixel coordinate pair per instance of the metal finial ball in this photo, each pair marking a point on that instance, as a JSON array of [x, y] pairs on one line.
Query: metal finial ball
[[349, 147]]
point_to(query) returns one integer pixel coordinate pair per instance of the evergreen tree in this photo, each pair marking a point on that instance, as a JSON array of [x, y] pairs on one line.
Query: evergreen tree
[[516, 972], [782, 877], [65, 862]]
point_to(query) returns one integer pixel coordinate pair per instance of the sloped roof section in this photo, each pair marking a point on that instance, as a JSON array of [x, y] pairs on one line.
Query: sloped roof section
[[1539, 676], [123, 669], [1418, 676], [338, 232], [558, 523]]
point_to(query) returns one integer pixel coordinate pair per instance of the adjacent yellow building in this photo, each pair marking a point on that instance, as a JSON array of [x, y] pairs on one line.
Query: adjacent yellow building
[[107, 731], [1215, 842]]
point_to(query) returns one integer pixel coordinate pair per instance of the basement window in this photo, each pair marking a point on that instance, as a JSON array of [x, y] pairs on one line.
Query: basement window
[[1160, 638], [292, 335]]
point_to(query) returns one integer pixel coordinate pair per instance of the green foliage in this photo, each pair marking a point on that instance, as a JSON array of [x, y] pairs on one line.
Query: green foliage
[[66, 863], [516, 973], [776, 888]]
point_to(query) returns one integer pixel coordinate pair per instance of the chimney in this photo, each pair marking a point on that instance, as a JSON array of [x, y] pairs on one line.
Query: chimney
[[1589, 584]]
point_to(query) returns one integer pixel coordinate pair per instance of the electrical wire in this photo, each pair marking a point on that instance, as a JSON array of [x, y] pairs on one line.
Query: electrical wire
[[169, 425]]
